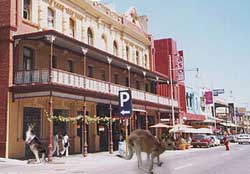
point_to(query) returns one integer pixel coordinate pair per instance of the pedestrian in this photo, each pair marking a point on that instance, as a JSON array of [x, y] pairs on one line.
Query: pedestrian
[[65, 144], [56, 145], [226, 141]]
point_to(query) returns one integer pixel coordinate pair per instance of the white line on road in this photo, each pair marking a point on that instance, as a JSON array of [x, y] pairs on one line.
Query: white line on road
[[184, 166]]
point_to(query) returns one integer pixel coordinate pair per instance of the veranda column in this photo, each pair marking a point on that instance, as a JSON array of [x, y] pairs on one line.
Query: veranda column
[[51, 39], [84, 130], [145, 107], [130, 119], [110, 111]]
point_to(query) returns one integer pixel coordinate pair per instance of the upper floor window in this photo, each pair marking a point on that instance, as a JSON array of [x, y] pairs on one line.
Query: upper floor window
[[90, 37], [127, 82], [70, 66], [28, 58], [137, 84], [27, 9], [103, 75], [127, 52], [146, 87], [54, 62], [90, 72], [104, 42], [137, 57], [145, 60], [116, 78], [115, 48], [51, 17], [71, 27]]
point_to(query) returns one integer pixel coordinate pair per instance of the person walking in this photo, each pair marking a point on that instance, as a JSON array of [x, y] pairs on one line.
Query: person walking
[[65, 143], [56, 144], [226, 141]]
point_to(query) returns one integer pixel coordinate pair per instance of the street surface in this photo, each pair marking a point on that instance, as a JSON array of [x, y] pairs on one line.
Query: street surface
[[194, 161]]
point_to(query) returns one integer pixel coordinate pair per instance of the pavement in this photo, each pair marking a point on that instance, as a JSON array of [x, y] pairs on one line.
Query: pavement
[[193, 161]]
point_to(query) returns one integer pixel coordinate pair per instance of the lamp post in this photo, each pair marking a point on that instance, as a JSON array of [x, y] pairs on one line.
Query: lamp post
[[171, 89]]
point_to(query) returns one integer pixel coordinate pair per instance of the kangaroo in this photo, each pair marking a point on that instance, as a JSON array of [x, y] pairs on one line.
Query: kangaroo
[[143, 141], [35, 145]]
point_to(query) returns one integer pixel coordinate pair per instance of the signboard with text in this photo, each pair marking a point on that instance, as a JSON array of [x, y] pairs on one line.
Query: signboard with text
[[180, 66], [125, 103], [209, 97], [216, 92]]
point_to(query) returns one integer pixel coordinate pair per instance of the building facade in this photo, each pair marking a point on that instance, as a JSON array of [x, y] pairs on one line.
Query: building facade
[[70, 58]]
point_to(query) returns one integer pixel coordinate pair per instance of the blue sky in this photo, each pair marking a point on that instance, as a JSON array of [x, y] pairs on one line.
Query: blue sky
[[215, 36]]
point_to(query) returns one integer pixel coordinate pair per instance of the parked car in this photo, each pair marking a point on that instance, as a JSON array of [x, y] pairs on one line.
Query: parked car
[[201, 140], [221, 138], [232, 138], [243, 138], [215, 140]]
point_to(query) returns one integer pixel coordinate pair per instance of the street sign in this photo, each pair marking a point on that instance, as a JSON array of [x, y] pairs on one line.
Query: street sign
[[125, 103], [216, 92]]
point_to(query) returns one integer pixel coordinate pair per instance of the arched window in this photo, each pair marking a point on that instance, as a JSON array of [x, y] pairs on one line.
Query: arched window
[[104, 42], [90, 37], [27, 9], [71, 27], [50, 19], [145, 60], [127, 52], [137, 57], [115, 48]]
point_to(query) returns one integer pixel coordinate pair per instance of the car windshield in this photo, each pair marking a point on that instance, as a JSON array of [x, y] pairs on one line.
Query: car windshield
[[199, 137]]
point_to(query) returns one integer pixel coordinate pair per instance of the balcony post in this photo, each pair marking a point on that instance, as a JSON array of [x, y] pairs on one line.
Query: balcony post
[[144, 84], [51, 39], [15, 61], [130, 119], [110, 110], [84, 132]]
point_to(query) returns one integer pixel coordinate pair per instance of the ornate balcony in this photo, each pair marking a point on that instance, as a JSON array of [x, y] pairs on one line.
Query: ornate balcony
[[81, 82]]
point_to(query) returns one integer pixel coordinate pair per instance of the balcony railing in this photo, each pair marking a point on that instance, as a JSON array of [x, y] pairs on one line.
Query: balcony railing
[[82, 82]]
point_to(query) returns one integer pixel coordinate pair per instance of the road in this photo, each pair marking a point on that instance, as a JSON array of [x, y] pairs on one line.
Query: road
[[195, 161]]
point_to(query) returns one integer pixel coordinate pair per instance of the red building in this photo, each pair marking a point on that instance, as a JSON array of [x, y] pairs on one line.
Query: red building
[[166, 50]]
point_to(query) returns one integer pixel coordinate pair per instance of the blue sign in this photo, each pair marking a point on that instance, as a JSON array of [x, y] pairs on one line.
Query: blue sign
[[125, 103], [216, 92]]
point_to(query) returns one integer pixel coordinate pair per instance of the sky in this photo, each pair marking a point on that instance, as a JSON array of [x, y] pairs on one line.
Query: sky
[[215, 37]]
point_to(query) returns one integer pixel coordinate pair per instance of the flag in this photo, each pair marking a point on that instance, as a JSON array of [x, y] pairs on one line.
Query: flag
[[209, 97]]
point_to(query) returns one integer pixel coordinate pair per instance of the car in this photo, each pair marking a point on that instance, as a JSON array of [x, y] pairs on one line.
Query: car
[[201, 140], [232, 138], [221, 138], [215, 140], [243, 138]]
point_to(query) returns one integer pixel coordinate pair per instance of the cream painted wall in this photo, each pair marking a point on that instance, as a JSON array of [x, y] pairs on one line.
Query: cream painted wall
[[98, 25]]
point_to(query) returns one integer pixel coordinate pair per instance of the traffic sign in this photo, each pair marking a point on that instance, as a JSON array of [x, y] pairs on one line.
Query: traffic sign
[[125, 103]]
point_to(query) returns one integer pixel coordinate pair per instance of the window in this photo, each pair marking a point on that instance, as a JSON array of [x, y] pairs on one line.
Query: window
[[27, 9], [115, 48], [127, 82], [146, 87], [137, 57], [104, 43], [137, 84], [145, 60], [50, 19], [90, 37], [71, 27], [103, 75], [90, 71], [70, 66], [116, 78], [127, 52], [28, 58], [54, 62]]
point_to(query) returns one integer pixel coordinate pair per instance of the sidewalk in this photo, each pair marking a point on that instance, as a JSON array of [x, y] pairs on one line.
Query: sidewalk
[[96, 163]]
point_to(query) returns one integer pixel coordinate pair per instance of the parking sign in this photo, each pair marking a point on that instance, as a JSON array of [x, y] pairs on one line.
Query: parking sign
[[125, 103]]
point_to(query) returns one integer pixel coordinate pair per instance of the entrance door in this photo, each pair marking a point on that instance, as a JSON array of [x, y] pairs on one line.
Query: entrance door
[[59, 126], [80, 131], [31, 116]]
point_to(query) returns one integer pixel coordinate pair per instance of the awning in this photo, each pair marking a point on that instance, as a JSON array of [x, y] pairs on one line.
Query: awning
[[194, 117]]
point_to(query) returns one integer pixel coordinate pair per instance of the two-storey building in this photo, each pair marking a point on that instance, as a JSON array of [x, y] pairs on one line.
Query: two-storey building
[[69, 58]]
